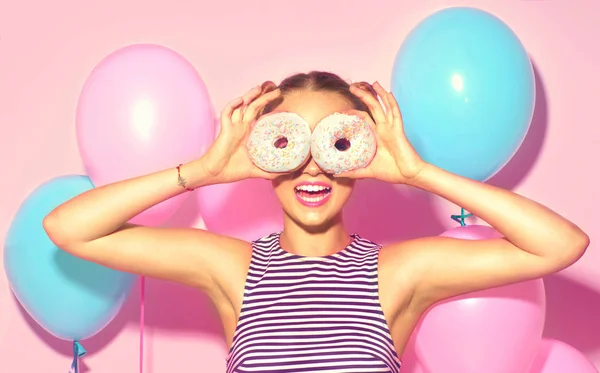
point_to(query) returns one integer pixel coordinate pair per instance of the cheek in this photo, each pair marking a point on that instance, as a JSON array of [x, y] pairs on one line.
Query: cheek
[[344, 189], [282, 186]]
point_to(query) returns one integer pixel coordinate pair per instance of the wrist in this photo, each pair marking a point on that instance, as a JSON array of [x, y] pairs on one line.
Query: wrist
[[196, 174], [426, 178]]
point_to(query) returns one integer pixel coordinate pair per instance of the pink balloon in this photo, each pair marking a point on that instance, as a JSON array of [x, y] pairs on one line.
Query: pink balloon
[[492, 331], [245, 210], [472, 232], [411, 367], [558, 357], [410, 364], [143, 109]]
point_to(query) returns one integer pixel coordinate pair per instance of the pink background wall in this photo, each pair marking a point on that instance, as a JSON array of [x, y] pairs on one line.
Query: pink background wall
[[47, 49]]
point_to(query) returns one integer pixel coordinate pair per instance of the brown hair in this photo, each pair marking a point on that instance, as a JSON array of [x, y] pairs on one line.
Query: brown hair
[[318, 81]]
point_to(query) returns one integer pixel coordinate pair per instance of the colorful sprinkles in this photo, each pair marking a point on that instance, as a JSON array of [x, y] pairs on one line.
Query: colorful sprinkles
[[363, 144], [300, 143], [270, 128]]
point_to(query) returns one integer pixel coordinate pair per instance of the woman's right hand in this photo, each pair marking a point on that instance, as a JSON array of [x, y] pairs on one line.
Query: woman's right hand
[[227, 159]]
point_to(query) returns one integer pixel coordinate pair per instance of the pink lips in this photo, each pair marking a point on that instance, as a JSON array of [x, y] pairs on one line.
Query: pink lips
[[312, 194]]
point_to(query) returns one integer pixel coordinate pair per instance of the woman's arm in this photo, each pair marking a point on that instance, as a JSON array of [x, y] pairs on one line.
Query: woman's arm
[[94, 224], [537, 240], [105, 209]]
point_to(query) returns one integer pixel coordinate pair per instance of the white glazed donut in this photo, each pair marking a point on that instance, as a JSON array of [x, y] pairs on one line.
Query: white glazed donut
[[342, 142], [279, 142]]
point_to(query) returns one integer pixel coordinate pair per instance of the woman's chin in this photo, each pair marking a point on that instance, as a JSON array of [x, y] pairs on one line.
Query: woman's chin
[[315, 221]]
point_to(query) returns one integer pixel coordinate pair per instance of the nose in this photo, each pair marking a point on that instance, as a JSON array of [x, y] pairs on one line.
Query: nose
[[312, 168]]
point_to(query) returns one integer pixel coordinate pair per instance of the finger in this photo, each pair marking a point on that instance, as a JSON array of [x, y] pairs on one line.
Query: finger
[[397, 114], [264, 88], [227, 112], [237, 114], [257, 105], [251, 95], [385, 98], [248, 97], [386, 104], [371, 102]]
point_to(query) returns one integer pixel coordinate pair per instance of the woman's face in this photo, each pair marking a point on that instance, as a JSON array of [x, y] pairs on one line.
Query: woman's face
[[309, 196]]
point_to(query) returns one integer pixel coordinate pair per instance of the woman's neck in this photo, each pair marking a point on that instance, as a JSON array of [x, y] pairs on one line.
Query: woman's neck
[[299, 240]]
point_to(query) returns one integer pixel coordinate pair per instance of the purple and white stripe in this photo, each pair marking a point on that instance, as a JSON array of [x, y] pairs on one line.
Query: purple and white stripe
[[312, 314]]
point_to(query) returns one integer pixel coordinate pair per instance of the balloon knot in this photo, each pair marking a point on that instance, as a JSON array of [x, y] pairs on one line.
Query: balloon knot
[[460, 219], [78, 351]]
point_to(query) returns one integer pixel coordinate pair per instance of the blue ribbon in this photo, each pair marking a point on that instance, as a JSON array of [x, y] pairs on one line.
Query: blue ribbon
[[78, 351], [461, 218]]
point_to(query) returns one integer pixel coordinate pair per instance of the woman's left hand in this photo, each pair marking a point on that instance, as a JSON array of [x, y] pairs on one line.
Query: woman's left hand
[[396, 161]]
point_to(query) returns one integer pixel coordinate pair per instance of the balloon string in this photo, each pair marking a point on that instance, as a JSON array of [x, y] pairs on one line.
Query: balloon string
[[461, 218], [142, 297], [78, 351]]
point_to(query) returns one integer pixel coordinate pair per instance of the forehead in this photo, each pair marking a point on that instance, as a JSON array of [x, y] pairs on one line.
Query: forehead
[[313, 106]]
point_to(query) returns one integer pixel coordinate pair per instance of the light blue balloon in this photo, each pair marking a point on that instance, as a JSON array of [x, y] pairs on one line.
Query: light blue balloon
[[71, 298], [466, 88]]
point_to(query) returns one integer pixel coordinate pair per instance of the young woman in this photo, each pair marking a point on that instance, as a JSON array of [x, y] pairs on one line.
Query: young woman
[[314, 298]]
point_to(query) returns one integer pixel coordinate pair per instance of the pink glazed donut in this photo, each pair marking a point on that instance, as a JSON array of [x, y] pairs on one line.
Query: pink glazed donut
[[279, 142], [342, 142]]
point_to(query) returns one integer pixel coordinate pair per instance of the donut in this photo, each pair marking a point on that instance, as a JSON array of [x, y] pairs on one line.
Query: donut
[[279, 142], [343, 142]]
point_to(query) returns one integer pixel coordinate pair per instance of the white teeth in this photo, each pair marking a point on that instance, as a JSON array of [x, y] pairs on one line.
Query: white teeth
[[313, 199], [311, 188]]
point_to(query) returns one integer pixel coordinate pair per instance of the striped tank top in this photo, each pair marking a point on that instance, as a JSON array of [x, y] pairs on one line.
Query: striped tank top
[[312, 314]]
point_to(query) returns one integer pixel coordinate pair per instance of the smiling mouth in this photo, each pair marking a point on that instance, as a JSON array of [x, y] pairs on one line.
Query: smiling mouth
[[312, 193]]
